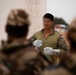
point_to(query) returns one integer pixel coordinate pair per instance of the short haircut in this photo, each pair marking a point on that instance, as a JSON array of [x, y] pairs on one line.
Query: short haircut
[[48, 16]]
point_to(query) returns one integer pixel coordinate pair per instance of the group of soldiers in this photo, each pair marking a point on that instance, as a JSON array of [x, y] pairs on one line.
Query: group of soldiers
[[45, 53]]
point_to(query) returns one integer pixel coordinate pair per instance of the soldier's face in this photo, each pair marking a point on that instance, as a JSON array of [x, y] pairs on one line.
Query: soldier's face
[[47, 23]]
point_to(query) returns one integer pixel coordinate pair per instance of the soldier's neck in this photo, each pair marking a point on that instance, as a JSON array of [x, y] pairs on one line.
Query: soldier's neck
[[10, 39], [48, 30]]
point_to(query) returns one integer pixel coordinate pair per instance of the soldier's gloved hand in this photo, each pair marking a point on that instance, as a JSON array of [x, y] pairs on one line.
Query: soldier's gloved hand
[[37, 43], [51, 51], [57, 51]]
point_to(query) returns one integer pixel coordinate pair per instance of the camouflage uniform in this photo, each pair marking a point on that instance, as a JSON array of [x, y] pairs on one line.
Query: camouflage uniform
[[66, 67], [18, 53], [21, 58], [54, 40]]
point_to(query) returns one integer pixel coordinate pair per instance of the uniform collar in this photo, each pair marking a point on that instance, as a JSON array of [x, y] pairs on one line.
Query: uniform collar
[[50, 34]]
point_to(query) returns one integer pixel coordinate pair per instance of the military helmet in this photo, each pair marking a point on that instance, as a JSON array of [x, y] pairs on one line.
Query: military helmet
[[18, 17], [17, 23]]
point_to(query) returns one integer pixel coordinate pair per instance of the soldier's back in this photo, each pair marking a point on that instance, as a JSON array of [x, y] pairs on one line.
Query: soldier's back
[[22, 59], [17, 56]]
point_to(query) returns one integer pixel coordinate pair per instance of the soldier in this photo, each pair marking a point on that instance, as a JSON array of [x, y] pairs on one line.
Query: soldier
[[18, 57], [49, 37], [67, 66]]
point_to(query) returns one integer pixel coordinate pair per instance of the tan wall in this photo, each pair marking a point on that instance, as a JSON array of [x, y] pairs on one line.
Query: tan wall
[[5, 7], [36, 9]]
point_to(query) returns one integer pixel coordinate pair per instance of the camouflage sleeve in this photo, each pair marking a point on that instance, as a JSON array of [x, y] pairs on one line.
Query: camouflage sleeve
[[62, 44], [41, 63], [33, 38]]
